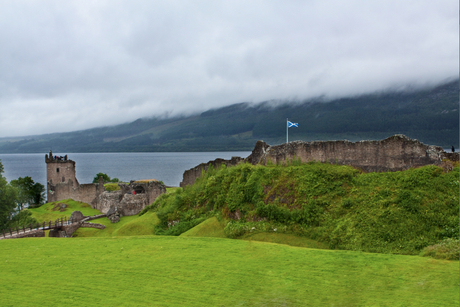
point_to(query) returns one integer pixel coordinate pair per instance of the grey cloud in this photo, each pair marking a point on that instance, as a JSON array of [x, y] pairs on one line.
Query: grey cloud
[[108, 62]]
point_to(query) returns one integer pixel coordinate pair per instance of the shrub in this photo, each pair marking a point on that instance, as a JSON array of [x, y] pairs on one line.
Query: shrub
[[111, 187], [446, 249]]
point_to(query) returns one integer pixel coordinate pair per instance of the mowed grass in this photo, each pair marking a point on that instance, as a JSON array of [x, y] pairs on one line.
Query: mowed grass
[[185, 271]]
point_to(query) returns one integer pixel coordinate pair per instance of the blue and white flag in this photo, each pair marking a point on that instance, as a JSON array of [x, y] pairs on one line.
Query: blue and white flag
[[291, 124]]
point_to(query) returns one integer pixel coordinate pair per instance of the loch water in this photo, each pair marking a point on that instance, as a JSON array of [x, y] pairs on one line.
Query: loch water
[[165, 166]]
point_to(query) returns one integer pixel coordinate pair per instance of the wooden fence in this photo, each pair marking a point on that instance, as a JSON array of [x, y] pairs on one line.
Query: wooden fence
[[45, 226]]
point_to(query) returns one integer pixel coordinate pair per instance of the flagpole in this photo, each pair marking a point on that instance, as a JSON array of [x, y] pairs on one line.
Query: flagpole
[[287, 130]]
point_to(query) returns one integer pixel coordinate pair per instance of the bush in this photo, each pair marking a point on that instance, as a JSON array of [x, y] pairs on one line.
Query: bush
[[111, 187], [446, 249]]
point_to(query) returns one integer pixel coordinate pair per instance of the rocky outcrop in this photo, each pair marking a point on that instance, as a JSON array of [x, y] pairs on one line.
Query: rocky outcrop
[[76, 216], [114, 214], [92, 225]]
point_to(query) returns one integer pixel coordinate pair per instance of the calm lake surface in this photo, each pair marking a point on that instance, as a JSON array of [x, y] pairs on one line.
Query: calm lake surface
[[165, 166]]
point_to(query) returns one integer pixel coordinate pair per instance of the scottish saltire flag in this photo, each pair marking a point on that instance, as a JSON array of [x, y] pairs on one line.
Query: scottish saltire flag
[[291, 124]]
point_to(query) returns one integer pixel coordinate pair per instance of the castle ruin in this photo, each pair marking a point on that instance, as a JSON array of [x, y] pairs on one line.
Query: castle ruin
[[396, 153], [62, 184]]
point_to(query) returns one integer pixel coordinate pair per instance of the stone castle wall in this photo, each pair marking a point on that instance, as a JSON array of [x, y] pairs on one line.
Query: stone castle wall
[[86, 193], [60, 170], [192, 174], [127, 202], [145, 192], [395, 153]]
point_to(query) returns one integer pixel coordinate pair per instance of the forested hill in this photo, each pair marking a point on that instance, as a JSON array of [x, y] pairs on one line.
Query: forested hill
[[429, 115]]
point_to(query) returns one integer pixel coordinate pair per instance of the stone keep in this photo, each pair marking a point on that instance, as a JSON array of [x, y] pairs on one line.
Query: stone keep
[[60, 169]]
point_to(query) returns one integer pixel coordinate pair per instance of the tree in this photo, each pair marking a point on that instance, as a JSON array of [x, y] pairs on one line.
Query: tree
[[29, 192], [105, 177], [38, 191], [8, 198], [23, 186], [22, 218]]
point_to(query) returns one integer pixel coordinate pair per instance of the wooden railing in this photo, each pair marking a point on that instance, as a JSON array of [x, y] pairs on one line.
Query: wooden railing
[[45, 226]]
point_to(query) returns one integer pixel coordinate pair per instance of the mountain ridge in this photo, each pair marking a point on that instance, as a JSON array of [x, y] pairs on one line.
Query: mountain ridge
[[430, 115]]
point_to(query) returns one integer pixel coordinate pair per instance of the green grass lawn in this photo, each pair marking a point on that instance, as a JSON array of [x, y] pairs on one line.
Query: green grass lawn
[[52, 211], [186, 271]]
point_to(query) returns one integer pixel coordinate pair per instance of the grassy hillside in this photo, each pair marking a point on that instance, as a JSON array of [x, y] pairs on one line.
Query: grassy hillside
[[128, 226], [309, 208], [400, 212], [430, 115], [61, 209], [176, 271]]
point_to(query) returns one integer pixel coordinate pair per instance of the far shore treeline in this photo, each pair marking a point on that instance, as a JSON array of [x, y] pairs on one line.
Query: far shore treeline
[[430, 115]]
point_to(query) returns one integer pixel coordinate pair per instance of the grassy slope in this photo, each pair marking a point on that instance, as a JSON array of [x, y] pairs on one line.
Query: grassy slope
[[400, 212], [209, 228], [128, 226], [284, 238], [50, 211], [145, 225], [213, 228], [175, 271]]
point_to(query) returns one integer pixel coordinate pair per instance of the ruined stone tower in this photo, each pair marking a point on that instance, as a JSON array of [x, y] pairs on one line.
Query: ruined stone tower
[[59, 170], [129, 200]]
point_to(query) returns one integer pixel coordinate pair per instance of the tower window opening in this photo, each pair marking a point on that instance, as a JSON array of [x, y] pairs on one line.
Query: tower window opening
[[57, 170], [139, 190]]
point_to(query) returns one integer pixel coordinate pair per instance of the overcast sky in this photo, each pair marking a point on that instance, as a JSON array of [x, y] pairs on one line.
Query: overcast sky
[[71, 65]]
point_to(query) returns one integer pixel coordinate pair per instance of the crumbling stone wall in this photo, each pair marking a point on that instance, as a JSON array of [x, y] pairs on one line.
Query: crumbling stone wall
[[133, 204], [127, 202], [106, 200], [86, 193], [395, 153], [189, 176], [145, 192]]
